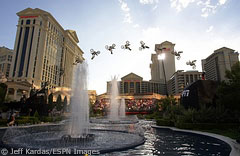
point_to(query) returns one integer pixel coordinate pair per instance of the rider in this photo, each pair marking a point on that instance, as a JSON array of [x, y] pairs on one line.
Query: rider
[[127, 46], [143, 45]]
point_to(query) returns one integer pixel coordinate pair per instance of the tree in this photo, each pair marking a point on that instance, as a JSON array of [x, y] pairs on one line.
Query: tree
[[59, 103], [50, 101], [65, 103], [166, 102], [3, 91], [36, 117], [229, 91], [91, 105]]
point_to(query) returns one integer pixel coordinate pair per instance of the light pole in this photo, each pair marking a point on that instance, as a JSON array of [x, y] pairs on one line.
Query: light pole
[[161, 56]]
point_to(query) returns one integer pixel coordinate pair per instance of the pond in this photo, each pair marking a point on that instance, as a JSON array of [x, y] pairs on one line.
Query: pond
[[167, 142], [159, 141]]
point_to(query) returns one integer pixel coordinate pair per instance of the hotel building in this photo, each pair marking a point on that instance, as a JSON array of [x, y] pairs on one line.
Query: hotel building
[[181, 79], [218, 62], [44, 51], [157, 70], [5, 60], [133, 84]]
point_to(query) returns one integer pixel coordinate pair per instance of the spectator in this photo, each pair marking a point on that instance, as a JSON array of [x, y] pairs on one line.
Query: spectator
[[133, 105]]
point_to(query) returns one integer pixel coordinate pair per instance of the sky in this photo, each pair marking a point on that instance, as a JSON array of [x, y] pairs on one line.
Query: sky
[[196, 27]]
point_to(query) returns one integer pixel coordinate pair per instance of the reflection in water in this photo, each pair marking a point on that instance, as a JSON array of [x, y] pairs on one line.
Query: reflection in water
[[169, 143]]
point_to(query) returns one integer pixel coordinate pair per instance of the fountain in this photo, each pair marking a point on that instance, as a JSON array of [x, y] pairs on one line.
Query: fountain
[[76, 133], [114, 103], [117, 112], [79, 122], [122, 111]]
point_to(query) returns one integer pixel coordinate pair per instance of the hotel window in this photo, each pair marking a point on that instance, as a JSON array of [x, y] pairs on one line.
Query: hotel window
[[196, 77], [138, 87], [28, 22], [24, 48], [191, 78], [125, 87], [3, 58], [10, 58], [187, 79], [131, 87], [8, 67], [131, 84]]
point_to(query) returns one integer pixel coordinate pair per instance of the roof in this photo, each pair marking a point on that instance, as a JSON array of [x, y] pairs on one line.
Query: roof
[[73, 34], [132, 76], [224, 48], [30, 11], [166, 42], [37, 12]]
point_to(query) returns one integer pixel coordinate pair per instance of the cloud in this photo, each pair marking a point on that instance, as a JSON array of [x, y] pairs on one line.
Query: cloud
[[180, 4], [208, 6], [126, 11], [221, 2], [148, 1], [155, 7], [209, 29], [136, 25], [124, 6], [127, 18]]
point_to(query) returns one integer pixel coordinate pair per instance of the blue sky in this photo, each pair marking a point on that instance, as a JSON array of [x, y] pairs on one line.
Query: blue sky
[[197, 27]]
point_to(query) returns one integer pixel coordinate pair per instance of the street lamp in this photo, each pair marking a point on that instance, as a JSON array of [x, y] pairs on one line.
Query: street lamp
[[161, 56]]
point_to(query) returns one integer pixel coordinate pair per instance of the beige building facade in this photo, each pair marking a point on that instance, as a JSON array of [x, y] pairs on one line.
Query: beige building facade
[[181, 79], [92, 94], [133, 84], [43, 51], [218, 62], [157, 73], [165, 67], [5, 60]]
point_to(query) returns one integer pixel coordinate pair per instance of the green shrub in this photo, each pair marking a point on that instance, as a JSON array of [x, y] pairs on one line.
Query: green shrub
[[46, 119], [188, 116], [23, 121], [155, 115], [36, 115], [164, 122], [172, 113], [59, 118], [27, 120], [140, 116], [206, 126], [3, 122]]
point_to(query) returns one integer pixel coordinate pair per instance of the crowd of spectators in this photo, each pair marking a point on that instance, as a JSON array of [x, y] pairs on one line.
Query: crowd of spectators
[[132, 105], [101, 105], [139, 105]]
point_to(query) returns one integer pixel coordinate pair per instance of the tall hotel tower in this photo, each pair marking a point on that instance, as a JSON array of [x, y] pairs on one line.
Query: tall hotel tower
[[218, 62], [159, 66], [157, 72], [44, 51]]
